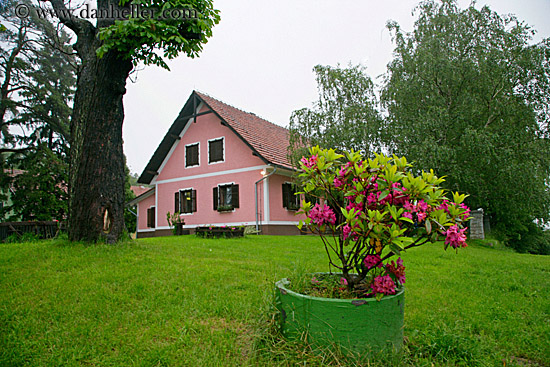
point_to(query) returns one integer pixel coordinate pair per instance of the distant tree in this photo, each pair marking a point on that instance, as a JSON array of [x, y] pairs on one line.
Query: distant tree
[[108, 51], [345, 116], [37, 85], [37, 88], [468, 95], [40, 191]]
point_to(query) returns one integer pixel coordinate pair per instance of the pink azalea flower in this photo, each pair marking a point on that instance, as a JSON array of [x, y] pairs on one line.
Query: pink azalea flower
[[357, 206], [455, 237], [444, 205], [397, 269], [422, 206], [343, 281], [347, 231], [466, 214], [322, 214], [338, 182], [372, 260], [311, 162], [387, 199], [383, 284], [372, 198], [407, 215], [421, 216]]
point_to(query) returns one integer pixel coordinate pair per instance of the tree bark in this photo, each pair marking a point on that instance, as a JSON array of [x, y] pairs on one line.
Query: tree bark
[[97, 174]]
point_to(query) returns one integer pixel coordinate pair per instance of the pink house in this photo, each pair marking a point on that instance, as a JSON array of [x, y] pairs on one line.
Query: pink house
[[218, 165]]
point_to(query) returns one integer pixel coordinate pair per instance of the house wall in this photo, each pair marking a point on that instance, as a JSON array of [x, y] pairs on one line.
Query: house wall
[[142, 207], [205, 213], [277, 213], [239, 167]]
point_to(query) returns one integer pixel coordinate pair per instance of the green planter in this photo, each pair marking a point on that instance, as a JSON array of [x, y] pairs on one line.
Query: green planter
[[358, 325]]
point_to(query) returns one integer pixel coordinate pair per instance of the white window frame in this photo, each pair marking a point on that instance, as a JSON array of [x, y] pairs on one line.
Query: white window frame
[[185, 155], [222, 138]]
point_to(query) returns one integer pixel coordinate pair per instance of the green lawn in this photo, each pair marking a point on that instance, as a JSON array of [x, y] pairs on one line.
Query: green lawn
[[186, 301]]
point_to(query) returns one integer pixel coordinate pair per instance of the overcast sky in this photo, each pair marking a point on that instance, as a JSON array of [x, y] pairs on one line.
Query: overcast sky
[[261, 56]]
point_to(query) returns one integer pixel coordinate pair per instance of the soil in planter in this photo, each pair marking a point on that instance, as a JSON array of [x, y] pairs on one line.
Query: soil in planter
[[321, 285]]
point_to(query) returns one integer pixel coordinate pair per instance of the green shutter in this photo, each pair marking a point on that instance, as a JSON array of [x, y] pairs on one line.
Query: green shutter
[[193, 201], [177, 207]]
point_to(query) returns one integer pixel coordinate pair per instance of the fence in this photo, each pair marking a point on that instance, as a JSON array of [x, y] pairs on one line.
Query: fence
[[39, 229]]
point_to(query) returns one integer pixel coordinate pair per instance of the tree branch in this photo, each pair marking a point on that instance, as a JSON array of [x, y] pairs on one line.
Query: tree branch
[[15, 150], [77, 25]]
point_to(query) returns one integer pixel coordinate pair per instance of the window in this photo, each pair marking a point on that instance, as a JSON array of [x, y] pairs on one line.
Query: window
[[192, 155], [151, 217], [291, 201], [185, 201], [226, 197], [215, 150]]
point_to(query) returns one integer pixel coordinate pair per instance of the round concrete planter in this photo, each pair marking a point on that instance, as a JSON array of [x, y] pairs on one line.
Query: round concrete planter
[[359, 325]]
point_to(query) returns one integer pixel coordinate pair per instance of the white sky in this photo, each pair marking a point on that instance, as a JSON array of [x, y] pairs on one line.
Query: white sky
[[261, 56]]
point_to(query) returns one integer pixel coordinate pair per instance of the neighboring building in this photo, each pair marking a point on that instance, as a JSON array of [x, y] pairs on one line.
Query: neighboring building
[[138, 190], [6, 197], [219, 165]]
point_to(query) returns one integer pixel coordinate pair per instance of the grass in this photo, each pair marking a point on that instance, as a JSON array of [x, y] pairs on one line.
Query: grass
[[187, 301]]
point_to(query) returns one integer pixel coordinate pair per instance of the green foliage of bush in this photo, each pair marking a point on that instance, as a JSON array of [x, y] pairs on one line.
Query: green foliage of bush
[[529, 238], [22, 238]]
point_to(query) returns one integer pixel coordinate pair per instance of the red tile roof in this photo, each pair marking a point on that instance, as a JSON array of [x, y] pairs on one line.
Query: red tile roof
[[269, 140], [138, 190]]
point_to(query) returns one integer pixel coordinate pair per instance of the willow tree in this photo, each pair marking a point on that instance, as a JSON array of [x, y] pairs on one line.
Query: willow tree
[[108, 51], [467, 93], [344, 117]]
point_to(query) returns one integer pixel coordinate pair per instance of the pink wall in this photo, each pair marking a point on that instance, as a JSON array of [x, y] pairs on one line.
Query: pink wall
[[142, 211], [276, 210], [205, 213], [237, 153]]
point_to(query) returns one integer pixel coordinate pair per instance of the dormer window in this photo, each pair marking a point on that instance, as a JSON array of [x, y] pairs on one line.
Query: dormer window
[[216, 151]]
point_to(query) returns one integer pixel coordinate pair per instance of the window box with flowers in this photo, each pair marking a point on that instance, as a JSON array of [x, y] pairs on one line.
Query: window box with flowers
[[372, 210], [222, 231]]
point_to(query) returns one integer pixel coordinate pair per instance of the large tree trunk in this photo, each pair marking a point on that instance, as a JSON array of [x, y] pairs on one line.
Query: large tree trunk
[[97, 175]]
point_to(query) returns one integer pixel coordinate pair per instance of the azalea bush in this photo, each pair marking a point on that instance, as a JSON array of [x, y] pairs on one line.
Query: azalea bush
[[367, 211]]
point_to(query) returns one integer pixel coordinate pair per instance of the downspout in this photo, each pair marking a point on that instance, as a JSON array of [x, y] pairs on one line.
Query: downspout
[[256, 197]]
